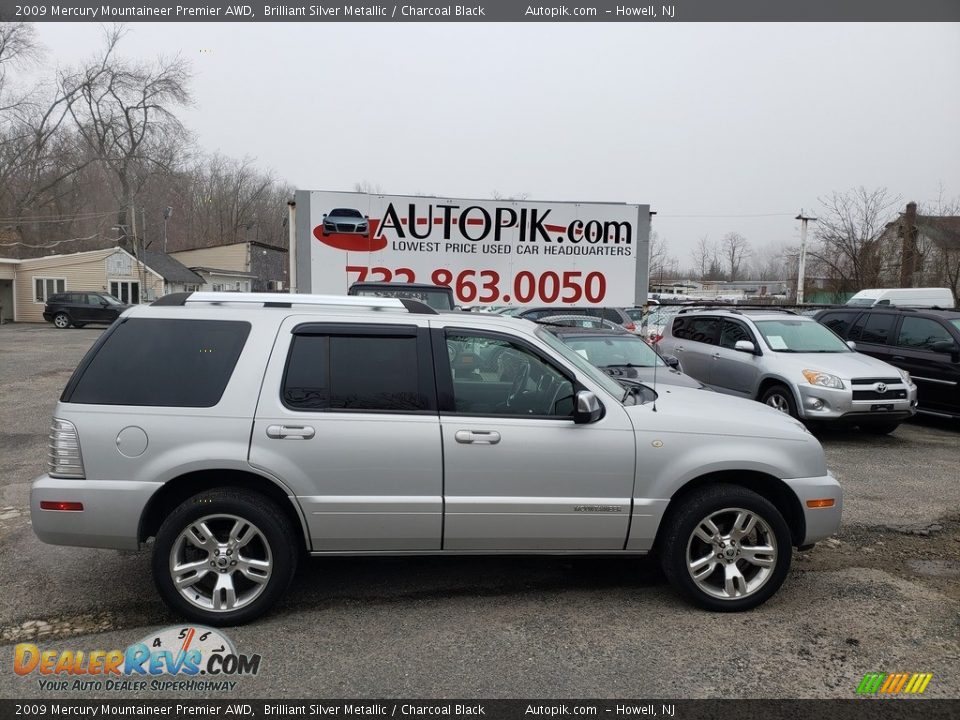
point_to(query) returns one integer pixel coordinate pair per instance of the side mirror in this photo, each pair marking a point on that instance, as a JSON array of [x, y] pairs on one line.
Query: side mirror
[[587, 408], [366, 217], [104, 303], [851, 344], [944, 346], [744, 346], [672, 361]]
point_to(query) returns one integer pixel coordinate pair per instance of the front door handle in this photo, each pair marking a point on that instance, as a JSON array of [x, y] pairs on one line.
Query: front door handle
[[678, 348], [293, 432], [479, 437], [716, 356]]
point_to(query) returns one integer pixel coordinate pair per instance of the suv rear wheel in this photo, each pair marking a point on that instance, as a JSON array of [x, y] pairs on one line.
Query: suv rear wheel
[[223, 557], [61, 320], [726, 548]]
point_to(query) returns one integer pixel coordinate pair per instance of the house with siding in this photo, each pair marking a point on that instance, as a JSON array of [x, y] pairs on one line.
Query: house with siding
[[244, 266], [27, 283]]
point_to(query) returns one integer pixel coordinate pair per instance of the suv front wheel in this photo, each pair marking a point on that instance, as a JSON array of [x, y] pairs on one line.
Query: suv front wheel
[[223, 557], [780, 398], [726, 548]]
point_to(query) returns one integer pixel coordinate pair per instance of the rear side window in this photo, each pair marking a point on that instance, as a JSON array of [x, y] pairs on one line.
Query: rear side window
[[698, 329], [875, 327], [839, 322], [162, 363], [354, 372], [921, 333]]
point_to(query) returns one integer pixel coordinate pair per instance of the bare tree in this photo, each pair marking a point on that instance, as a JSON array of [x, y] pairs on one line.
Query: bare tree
[[365, 186], [510, 197], [705, 257], [735, 249], [848, 235], [124, 112]]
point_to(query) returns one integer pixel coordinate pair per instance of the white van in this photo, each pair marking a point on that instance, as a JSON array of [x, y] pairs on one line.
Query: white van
[[904, 297]]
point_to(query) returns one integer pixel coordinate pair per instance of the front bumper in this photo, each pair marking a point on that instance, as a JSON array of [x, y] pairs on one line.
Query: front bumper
[[822, 403], [820, 523], [110, 517]]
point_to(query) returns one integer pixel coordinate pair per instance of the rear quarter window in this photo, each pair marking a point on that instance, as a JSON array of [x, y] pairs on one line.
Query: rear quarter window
[[161, 363]]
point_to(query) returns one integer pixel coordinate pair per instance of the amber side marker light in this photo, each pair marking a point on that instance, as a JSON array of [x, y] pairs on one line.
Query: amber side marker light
[[824, 503], [61, 506]]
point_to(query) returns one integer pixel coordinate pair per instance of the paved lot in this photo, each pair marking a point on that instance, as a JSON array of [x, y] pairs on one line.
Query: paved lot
[[883, 596]]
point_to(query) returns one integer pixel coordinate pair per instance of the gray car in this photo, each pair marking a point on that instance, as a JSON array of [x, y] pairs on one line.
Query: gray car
[[793, 364], [243, 431], [345, 220]]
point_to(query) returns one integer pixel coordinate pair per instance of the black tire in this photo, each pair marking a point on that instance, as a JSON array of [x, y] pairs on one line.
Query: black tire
[[880, 428], [783, 397], [677, 536], [276, 534], [61, 321]]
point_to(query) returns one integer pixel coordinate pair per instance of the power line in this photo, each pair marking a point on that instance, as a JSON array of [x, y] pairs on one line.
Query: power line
[[56, 219], [51, 244]]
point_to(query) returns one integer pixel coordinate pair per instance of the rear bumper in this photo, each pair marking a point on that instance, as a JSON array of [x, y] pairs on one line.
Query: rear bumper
[[110, 517], [820, 523], [48, 317]]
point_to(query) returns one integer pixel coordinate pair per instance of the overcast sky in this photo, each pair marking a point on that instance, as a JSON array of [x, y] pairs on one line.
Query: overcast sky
[[694, 119]]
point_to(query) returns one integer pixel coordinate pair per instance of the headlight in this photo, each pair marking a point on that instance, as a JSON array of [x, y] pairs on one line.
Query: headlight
[[906, 377], [815, 377]]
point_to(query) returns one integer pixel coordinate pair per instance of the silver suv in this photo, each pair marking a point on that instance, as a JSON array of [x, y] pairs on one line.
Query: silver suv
[[792, 363], [242, 432]]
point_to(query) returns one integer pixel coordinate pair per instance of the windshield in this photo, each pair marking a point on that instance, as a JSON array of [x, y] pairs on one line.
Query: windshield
[[345, 212], [578, 361], [956, 323], [800, 336], [110, 299], [614, 351]]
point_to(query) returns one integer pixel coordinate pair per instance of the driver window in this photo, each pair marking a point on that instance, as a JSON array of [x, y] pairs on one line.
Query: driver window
[[496, 377]]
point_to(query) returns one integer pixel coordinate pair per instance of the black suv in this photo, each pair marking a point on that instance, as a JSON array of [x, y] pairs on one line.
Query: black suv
[[926, 343], [80, 308]]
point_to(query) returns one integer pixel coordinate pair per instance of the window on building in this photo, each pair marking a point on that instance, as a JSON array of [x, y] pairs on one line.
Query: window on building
[[127, 291], [44, 288]]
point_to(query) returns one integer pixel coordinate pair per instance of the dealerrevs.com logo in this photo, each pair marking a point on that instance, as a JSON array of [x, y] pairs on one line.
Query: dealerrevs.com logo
[[177, 658]]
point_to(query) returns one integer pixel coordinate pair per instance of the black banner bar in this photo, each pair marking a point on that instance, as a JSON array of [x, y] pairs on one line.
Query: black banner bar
[[862, 709], [484, 11]]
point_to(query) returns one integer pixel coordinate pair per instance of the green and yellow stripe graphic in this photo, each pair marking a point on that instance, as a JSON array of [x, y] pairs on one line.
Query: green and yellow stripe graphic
[[893, 683]]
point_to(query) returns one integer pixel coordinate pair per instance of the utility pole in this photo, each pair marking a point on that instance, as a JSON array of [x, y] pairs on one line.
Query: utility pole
[[167, 212], [801, 271]]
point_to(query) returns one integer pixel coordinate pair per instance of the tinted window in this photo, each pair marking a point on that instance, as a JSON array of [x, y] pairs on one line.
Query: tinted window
[[168, 363], [732, 333], [877, 328], [921, 333], [698, 329], [839, 322], [353, 372]]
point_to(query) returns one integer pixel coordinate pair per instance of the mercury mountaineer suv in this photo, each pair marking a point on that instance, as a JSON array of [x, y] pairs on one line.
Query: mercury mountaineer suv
[[242, 432]]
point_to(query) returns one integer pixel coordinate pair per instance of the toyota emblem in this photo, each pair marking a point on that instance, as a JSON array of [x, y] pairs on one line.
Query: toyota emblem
[[881, 388]]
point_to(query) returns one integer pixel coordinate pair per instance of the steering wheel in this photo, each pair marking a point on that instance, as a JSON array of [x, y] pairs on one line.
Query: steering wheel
[[519, 383]]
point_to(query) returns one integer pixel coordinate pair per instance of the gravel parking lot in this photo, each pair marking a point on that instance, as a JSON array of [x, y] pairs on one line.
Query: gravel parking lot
[[884, 595]]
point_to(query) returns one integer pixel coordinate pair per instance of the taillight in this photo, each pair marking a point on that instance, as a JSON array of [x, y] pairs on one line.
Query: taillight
[[631, 326], [61, 505], [655, 338], [65, 460]]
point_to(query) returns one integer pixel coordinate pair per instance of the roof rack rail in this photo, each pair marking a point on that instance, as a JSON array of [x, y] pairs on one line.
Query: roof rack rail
[[285, 300], [735, 309]]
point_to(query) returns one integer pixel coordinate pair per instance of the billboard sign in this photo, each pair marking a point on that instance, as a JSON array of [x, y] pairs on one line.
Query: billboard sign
[[491, 252]]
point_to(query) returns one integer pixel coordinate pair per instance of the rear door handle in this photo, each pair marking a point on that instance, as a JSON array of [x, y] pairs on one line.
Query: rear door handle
[[293, 432], [678, 348], [716, 356], [479, 437]]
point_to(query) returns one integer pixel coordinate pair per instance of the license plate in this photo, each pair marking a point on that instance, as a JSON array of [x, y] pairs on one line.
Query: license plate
[[881, 408]]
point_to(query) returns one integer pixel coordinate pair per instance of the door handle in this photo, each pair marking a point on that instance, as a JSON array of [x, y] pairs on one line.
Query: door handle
[[898, 357], [295, 432], [678, 348], [716, 356], [480, 437]]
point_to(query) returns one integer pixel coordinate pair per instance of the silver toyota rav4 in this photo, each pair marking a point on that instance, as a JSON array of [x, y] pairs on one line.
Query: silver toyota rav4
[[793, 364], [242, 432]]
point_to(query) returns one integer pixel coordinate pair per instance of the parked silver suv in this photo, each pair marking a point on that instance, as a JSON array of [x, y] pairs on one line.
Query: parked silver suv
[[792, 363], [243, 431]]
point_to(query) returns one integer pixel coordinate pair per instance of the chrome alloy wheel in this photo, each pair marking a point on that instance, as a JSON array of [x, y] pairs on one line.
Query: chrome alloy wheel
[[61, 320], [731, 553], [779, 402], [221, 563]]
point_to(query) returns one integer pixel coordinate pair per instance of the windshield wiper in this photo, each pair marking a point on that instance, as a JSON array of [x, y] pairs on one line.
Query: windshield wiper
[[625, 365]]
